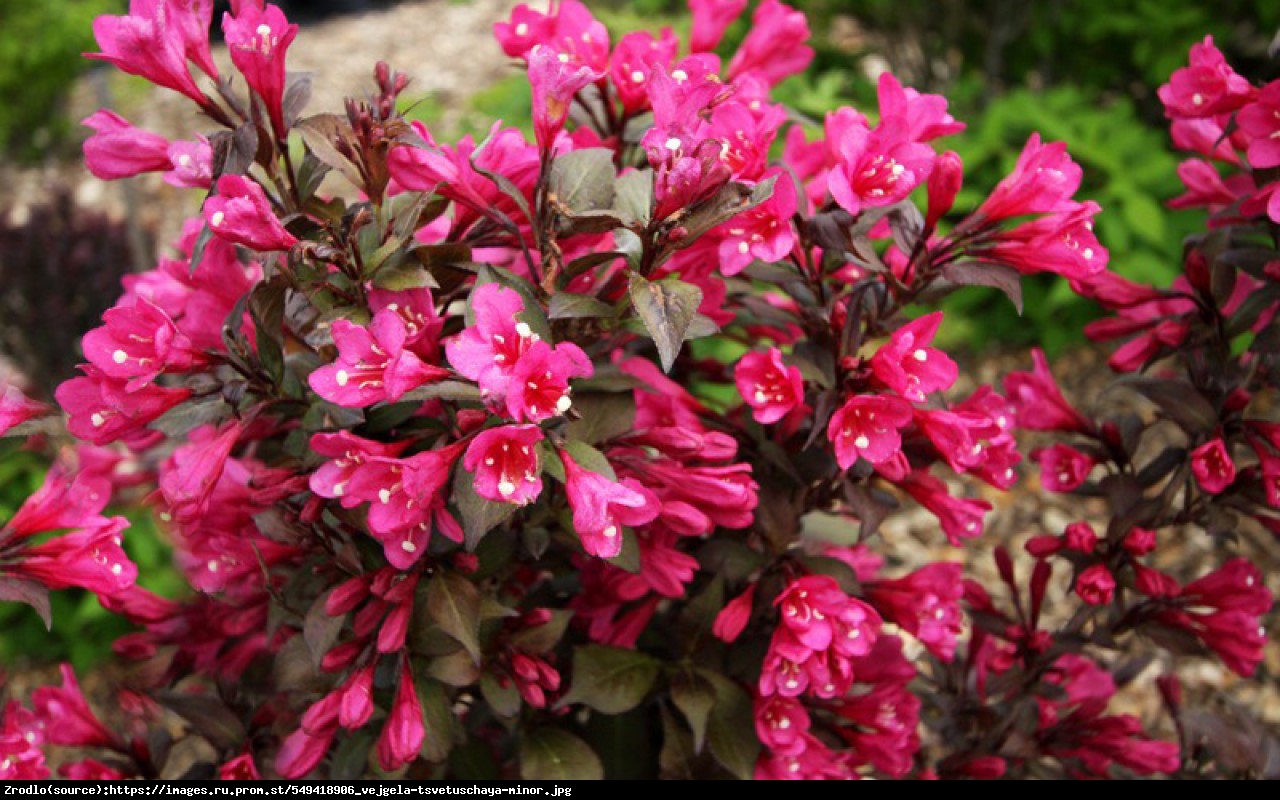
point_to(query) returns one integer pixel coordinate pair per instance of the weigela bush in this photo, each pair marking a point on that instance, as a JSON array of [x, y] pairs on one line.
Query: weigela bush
[[457, 496]]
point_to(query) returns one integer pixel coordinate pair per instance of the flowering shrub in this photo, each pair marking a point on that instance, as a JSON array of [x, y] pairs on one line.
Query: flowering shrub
[[443, 437]]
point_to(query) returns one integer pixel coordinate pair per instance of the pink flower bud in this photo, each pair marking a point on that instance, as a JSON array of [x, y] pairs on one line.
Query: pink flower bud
[[241, 214], [119, 150]]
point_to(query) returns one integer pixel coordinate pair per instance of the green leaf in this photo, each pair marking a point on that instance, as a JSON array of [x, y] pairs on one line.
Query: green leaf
[[553, 754], [628, 558], [609, 679], [604, 415], [320, 133], [590, 459], [731, 731], [633, 197], [453, 603], [400, 276], [478, 515], [583, 180], [731, 201], [541, 639], [666, 308], [437, 717], [566, 305], [504, 700], [454, 669], [320, 631], [695, 697]]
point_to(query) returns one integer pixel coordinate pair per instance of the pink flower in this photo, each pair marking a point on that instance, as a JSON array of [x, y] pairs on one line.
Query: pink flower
[[1039, 402], [1206, 188], [817, 615], [505, 463], [147, 43], [119, 150], [66, 715], [924, 116], [867, 426], [1212, 465], [555, 77], [601, 507], [909, 366], [258, 38], [533, 678], [1140, 541], [1061, 243], [191, 164], [944, 184], [539, 387], [775, 45], [487, 350], [876, 167], [16, 408], [1095, 585], [1042, 182], [355, 699], [960, 518], [735, 615], [925, 603], [404, 731], [813, 761], [91, 558], [347, 453], [20, 755], [372, 365], [710, 18], [1260, 121], [241, 214], [239, 768], [137, 343], [1205, 88], [763, 233], [632, 62], [769, 386], [1080, 537], [191, 18], [188, 477], [781, 724], [102, 410], [1062, 468]]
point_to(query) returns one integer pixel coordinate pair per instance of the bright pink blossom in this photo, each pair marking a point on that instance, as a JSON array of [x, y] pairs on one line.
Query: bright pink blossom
[[239, 768], [775, 47], [404, 731], [601, 507], [1062, 467], [539, 387], [258, 38], [119, 150], [149, 42], [763, 233], [867, 426], [710, 19], [16, 408], [373, 364], [768, 385], [346, 453], [1260, 122], [66, 715], [1042, 182], [102, 410], [925, 603], [136, 343], [1206, 87], [924, 115], [1080, 537], [877, 167], [505, 463], [632, 62], [241, 214], [909, 366], [960, 518], [1095, 585], [735, 615], [1040, 403], [555, 78], [190, 164], [1212, 465]]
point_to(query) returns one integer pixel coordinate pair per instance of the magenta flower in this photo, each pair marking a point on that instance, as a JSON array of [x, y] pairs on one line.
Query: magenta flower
[[925, 603], [1260, 122], [526, 29], [735, 615], [1208, 86], [633, 61], [1095, 585], [372, 365], [909, 366], [488, 349], [138, 343], [1212, 465], [710, 19], [877, 167], [764, 232], [195, 468], [16, 408], [539, 387], [1140, 541], [1061, 243], [102, 410], [150, 43], [775, 45], [1062, 467], [241, 214], [355, 703], [1039, 402], [347, 453], [1042, 182], [505, 463], [944, 184], [601, 507], [66, 715], [239, 768], [781, 724], [867, 426], [404, 731], [960, 518], [258, 38], [191, 164], [555, 77], [119, 150], [1080, 537], [769, 386], [191, 18], [924, 116], [816, 615], [91, 558]]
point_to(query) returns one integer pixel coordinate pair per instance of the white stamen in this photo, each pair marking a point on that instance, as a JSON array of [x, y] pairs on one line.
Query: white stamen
[[680, 75], [522, 29], [672, 144], [119, 356], [342, 377], [861, 442], [562, 405], [116, 569], [264, 29], [1197, 99], [506, 488], [98, 420], [637, 77], [384, 495], [408, 546], [743, 248], [212, 565], [611, 531], [523, 329], [216, 219], [920, 355], [339, 489]]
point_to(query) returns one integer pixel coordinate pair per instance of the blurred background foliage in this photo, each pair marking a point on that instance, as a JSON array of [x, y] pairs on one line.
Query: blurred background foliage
[[1083, 71]]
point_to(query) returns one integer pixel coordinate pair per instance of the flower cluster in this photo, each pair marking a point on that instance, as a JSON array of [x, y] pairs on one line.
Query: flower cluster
[[445, 466]]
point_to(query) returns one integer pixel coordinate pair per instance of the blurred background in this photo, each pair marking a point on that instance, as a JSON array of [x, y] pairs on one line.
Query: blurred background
[[1082, 71]]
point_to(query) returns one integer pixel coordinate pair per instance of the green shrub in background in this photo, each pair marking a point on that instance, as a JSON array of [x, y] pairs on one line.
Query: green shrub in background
[[82, 630], [40, 46]]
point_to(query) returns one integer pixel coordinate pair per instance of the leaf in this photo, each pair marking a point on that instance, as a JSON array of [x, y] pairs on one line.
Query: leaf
[[666, 308], [403, 275], [633, 197], [542, 638], [296, 96], [207, 715], [553, 754], [583, 180], [321, 133], [1178, 399], [186, 417], [695, 697], [320, 631], [437, 718], [566, 305], [453, 391], [609, 679], [350, 759], [589, 458], [732, 200], [234, 151], [453, 603], [454, 669], [975, 273], [21, 590], [503, 700], [628, 558], [731, 728], [479, 516], [604, 415]]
